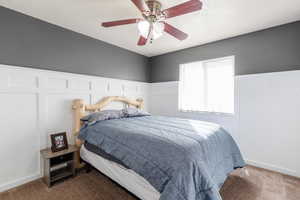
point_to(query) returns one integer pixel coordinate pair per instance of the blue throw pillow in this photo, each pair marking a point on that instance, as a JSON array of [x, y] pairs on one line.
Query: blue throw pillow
[[134, 112], [103, 115]]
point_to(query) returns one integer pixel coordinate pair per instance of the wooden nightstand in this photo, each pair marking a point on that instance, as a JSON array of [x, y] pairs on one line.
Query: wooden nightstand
[[58, 165]]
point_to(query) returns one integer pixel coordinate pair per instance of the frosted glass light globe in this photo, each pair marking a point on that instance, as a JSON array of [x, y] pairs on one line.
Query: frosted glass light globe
[[158, 29], [144, 27]]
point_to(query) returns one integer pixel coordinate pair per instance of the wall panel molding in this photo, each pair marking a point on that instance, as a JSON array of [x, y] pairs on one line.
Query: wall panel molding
[[38, 103], [42, 100]]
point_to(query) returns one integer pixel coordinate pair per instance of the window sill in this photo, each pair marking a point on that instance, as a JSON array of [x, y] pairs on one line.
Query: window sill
[[208, 113]]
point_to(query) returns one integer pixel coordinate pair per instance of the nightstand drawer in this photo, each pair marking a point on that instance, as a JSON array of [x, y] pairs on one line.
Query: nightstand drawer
[[61, 159]]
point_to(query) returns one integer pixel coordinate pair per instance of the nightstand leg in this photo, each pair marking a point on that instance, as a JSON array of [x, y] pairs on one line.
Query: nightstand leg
[[74, 164], [47, 172]]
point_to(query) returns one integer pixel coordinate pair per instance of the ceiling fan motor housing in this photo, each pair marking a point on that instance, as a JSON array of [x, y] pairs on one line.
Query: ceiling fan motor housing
[[155, 10]]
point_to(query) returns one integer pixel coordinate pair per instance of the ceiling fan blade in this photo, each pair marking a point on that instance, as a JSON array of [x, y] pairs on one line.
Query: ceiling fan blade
[[141, 5], [120, 22], [184, 8], [142, 41], [175, 32]]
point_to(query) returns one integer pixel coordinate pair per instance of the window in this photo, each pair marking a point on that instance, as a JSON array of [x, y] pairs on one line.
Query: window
[[207, 86]]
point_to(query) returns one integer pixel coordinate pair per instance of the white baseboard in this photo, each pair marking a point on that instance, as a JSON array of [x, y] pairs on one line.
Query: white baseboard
[[19, 182], [27, 179], [273, 168]]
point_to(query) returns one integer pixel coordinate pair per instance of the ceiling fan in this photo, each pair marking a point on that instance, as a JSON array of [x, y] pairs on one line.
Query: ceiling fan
[[154, 22]]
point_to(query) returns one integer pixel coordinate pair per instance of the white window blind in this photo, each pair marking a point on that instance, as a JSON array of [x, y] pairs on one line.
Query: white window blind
[[207, 86]]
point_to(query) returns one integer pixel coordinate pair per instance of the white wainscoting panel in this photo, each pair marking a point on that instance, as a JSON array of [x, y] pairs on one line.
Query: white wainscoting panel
[[77, 84], [36, 103], [56, 83], [63, 120], [20, 80], [19, 144], [266, 123]]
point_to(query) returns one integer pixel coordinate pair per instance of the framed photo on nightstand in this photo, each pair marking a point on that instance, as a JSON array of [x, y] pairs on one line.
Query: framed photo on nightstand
[[59, 142]]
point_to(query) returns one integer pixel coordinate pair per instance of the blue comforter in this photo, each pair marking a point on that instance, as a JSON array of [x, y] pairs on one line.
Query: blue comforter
[[183, 159]]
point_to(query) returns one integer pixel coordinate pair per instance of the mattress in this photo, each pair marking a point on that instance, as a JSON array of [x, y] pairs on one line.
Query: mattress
[[103, 154], [123, 176]]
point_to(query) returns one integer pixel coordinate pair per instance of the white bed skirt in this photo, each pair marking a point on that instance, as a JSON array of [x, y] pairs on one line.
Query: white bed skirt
[[125, 177]]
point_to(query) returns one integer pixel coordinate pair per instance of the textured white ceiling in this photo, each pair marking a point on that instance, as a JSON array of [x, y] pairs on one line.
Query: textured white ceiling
[[218, 20]]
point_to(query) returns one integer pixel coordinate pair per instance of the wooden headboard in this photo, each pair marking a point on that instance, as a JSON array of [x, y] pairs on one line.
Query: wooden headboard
[[81, 109]]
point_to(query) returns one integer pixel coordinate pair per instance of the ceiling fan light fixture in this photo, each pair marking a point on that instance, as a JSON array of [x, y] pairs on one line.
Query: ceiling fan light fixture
[[144, 27], [158, 29]]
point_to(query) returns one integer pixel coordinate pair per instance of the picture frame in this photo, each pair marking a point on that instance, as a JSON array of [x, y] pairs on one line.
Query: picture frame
[[59, 142]]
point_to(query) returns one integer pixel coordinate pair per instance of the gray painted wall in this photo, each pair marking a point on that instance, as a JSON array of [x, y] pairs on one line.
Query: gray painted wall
[[271, 50], [29, 42]]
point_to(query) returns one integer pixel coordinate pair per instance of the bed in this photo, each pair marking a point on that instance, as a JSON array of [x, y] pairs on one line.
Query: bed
[[155, 157]]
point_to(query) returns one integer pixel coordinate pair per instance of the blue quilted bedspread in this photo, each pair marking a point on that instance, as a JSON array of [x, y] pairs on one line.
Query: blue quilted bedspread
[[183, 159]]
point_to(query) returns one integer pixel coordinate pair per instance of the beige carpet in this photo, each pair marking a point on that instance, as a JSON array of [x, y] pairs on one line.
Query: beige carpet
[[253, 184]]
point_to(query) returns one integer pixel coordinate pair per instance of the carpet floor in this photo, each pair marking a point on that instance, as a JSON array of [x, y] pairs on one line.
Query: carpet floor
[[250, 184]]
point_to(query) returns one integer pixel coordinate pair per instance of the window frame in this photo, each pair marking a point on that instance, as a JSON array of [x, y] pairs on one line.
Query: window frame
[[232, 58]]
